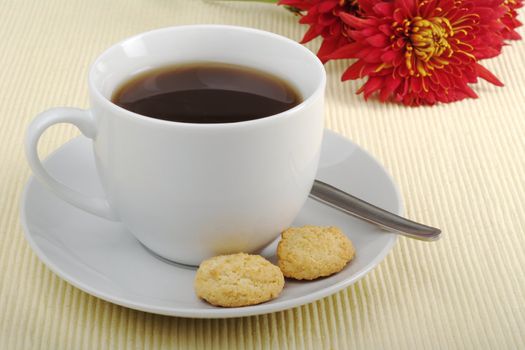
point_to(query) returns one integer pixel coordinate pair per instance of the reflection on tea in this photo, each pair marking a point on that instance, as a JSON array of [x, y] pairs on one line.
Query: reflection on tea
[[206, 93]]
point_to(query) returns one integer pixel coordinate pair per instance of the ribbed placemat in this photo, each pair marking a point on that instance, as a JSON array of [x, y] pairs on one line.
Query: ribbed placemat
[[459, 166]]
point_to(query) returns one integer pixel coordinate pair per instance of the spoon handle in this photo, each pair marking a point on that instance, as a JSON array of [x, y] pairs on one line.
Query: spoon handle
[[349, 204]]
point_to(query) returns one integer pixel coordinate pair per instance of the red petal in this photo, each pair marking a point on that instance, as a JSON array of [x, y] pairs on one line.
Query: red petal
[[389, 56], [434, 81], [313, 32], [461, 57], [313, 13], [356, 35], [347, 51], [392, 83], [415, 84], [329, 46], [310, 17], [367, 6], [385, 29], [372, 85], [409, 100], [431, 98], [407, 6], [355, 71], [326, 6], [402, 70], [426, 8], [469, 92], [370, 31], [365, 50], [400, 42], [443, 79], [356, 22], [374, 56], [335, 28], [327, 19], [384, 9], [398, 58], [399, 15], [384, 94], [484, 12], [487, 75], [389, 85], [406, 84], [471, 75], [514, 36], [378, 40]]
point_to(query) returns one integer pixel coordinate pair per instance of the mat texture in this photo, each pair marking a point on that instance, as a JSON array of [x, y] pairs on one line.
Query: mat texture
[[459, 166]]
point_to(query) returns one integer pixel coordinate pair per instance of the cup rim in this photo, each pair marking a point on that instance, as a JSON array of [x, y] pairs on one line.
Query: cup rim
[[319, 89]]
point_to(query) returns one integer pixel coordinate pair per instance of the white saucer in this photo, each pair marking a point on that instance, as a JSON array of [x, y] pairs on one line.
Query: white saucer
[[104, 260]]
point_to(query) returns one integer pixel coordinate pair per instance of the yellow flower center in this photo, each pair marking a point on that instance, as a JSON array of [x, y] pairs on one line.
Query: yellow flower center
[[429, 37], [427, 41]]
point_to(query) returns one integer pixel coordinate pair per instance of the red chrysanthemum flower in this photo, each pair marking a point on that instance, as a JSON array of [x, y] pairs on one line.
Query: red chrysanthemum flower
[[509, 19], [421, 51], [323, 18]]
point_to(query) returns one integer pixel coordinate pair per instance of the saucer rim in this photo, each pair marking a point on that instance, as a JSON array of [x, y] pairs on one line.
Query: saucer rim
[[259, 309]]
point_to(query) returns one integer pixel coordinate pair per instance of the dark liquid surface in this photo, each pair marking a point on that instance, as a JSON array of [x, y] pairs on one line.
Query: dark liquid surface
[[206, 93]]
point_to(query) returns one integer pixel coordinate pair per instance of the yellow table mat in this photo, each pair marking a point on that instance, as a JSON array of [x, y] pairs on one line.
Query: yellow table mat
[[459, 166]]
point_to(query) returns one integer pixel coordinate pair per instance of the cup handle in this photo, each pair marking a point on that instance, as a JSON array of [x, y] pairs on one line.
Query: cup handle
[[84, 121]]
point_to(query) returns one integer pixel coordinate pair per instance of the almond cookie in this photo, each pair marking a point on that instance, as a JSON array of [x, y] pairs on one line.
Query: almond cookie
[[310, 252], [238, 280]]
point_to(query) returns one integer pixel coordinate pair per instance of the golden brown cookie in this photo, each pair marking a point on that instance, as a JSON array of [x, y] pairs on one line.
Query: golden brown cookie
[[310, 252], [238, 280]]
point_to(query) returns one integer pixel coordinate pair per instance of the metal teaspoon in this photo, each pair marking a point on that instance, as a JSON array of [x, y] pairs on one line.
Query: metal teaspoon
[[338, 199]]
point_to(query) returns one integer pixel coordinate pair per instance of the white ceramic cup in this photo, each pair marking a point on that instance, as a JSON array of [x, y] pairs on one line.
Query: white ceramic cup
[[191, 191]]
